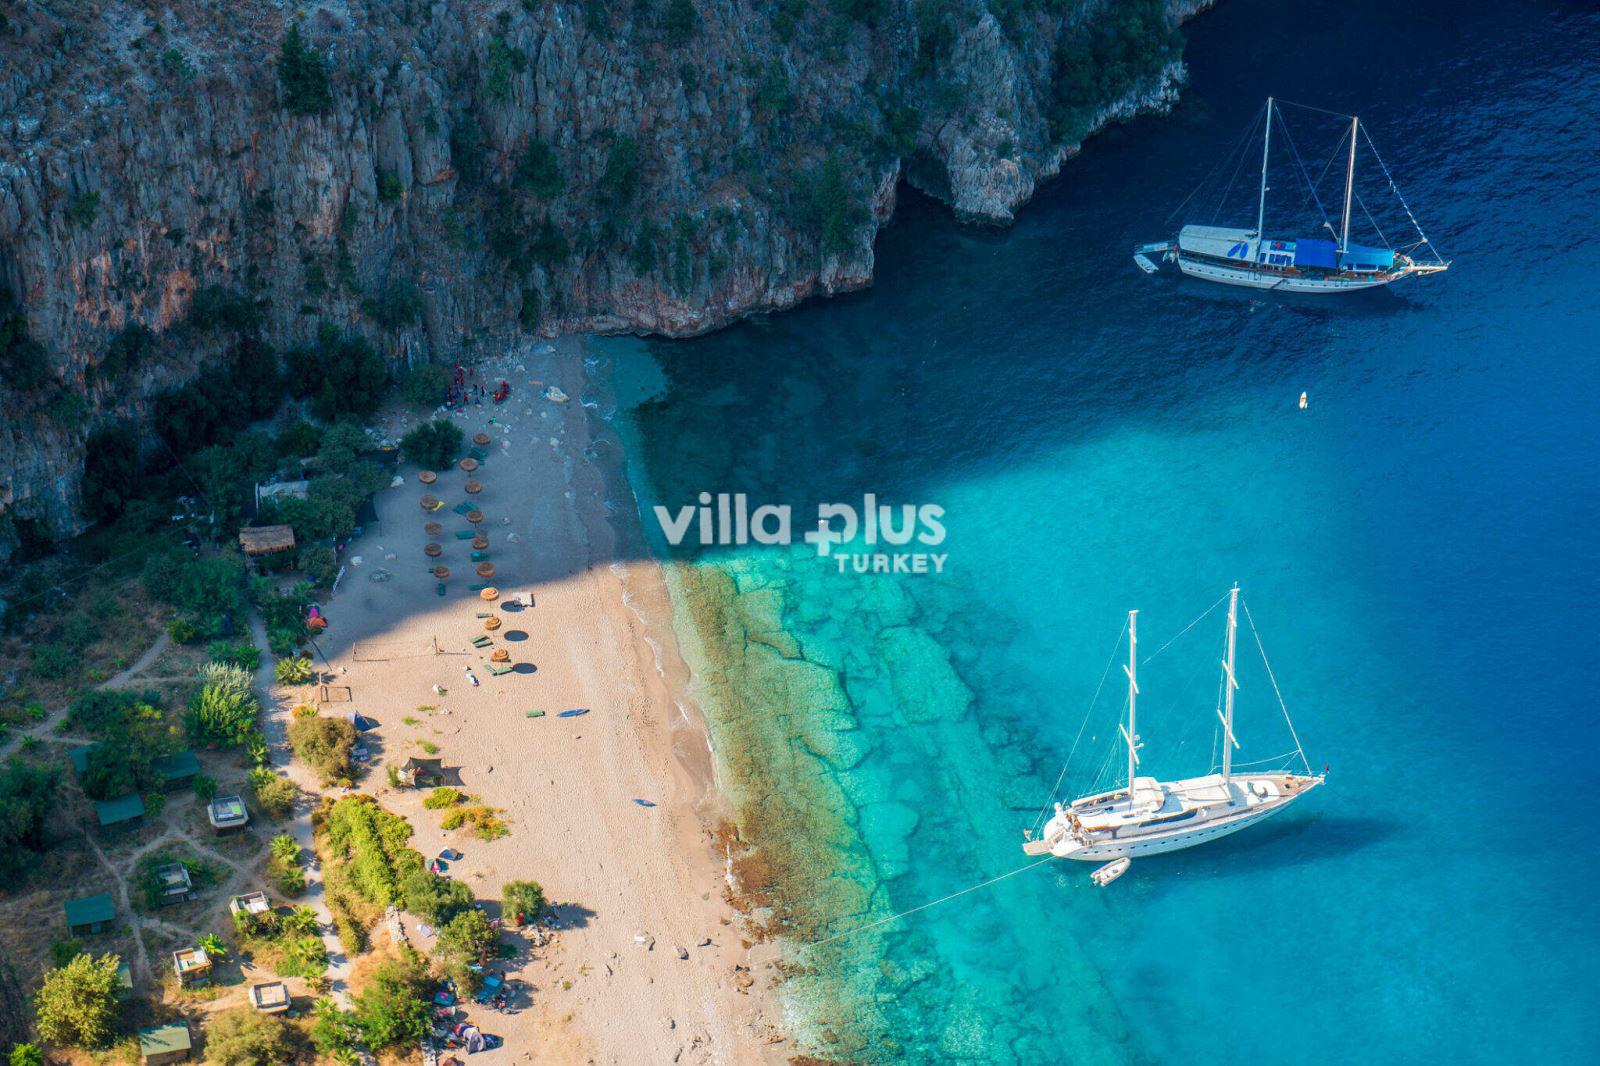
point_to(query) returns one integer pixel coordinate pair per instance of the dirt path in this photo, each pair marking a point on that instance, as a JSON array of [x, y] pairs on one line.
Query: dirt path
[[42, 729], [276, 710]]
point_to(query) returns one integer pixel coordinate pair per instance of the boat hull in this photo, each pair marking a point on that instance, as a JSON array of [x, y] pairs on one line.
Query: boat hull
[[1134, 849], [1245, 277]]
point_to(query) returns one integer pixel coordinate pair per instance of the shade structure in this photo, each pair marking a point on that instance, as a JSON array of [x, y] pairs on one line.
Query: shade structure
[[474, 516], [489, 594], [427, 477], [486, 570], [266, 540], [468, 464], [480, 542], [441, 572], [500, 655], [433, 529], [491, 624], [430, 503], [474, 487], [433, 549], [481, 439]]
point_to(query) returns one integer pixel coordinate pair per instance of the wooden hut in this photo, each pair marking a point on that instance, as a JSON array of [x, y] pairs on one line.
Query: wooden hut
[[266, 540]]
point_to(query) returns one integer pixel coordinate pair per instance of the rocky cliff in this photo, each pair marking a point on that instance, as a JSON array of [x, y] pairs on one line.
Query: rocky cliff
[[438, 175]]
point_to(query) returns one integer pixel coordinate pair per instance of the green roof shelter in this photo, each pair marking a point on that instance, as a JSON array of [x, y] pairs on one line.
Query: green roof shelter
[[91, 914], [122, 813], [80, 758], [124, 989], [178, 770], [165, 1043]]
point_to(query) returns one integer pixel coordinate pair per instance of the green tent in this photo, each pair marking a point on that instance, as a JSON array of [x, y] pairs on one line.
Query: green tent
[[120, 813], [91, 914]]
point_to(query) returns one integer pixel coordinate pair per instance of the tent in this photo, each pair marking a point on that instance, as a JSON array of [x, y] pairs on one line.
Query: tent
[[362, 723], [266, 540]]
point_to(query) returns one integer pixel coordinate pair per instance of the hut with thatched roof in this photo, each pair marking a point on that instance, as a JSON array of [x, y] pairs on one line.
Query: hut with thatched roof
[[266, 540]]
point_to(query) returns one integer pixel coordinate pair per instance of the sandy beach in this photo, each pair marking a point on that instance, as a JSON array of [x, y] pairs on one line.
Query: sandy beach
[[647, 964]]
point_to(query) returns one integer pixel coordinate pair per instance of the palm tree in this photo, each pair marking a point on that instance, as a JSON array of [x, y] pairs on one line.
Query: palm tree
[[301, 921], [214, 946]]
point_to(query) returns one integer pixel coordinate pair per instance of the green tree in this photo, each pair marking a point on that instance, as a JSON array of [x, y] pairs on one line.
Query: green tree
[[325, 745], [292, 670], [522, 901], [438, 899], [27, 1055], [464, 941], [425, 384], [303, 77], [393, 1010], [433, 444], [680, 22], [27, 796], [77, 1004], [245, 1037], [24, 365], [619, 184], [333, 1031], [223, 713]]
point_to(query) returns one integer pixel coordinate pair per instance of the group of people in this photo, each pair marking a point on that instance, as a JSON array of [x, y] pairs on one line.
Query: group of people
[[465, 388]]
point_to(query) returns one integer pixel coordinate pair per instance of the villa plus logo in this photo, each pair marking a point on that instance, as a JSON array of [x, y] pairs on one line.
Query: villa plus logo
[[855, 538]]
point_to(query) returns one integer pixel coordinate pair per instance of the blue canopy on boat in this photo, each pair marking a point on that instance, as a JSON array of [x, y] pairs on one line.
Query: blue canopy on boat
[[1310, 252], [1365, 257]]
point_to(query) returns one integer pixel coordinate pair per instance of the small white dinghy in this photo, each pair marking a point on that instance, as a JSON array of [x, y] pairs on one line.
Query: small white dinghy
[[1110, 872]]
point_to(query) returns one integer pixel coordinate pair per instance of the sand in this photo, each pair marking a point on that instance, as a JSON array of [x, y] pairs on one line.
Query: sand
[[619, 872]]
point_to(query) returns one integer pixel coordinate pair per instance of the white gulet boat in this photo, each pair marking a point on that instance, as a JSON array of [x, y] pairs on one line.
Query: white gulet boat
[[1147, 816], [1238, 255]]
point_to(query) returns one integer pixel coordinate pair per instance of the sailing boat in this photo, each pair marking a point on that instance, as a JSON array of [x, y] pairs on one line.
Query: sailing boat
[[1146, 816], [1254, 258]]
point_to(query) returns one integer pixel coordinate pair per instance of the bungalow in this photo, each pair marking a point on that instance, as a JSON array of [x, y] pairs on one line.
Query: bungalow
[[192, 965], [121, 814], [161, 1044], [270, 998], [177, 771], [227, 814], [250, 903], [91, 914], [176, 884]]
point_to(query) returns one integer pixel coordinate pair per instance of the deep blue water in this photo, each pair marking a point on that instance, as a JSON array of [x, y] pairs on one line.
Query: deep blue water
[[1418, 548]]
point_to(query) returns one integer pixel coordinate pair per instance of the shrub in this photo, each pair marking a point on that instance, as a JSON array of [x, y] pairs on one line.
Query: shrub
[[441, 798], [522, 901], [27, 796], [213, 945], [205, 788], [537, 171], [77, 1005], [680, 22], [285, 848], [397, 306], [425, 384], [1129, 42], [110, 469], [505, 60], [302, 76], [27, 1055], [333, 1031], [245, 1037], [438, 899], [223, 713], [324, 744], [390, 187], [273, 793], [433, 444], [339, 374], [393, 1010], [83, 208], [24, 364], [305, 956], [292, 670], [619, 184], [99, 711], [242, 654], [64, 951]]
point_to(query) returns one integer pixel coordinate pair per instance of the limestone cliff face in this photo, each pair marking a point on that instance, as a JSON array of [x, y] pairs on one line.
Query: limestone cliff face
[[472, 169]]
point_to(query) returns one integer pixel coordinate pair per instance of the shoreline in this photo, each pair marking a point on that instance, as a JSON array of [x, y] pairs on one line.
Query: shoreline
[[649, 957]]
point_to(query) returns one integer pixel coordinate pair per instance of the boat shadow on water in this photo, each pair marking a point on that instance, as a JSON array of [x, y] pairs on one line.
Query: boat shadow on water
[[1281, 843], [1367, 303]]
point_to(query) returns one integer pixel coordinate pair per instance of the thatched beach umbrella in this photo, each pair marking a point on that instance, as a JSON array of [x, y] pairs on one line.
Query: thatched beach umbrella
[[430, 503], [480, 542], [500, 655], [474, 516], [474, 487], [441, 572], [489, 594], [486, 570], [491, 623], [468, 464], [433, 549], [427, 477], [481, 440], [433, 529]]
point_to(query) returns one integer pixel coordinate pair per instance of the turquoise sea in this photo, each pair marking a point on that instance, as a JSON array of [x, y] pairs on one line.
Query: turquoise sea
[[1418, 548]]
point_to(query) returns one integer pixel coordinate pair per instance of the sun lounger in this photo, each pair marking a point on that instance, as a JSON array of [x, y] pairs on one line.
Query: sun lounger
[[440, 589], [479, 557], [465, 534], [481, 642], [485, 614], [500, 671], [479, 454], [533, 714], [477, 588], [462, 508]]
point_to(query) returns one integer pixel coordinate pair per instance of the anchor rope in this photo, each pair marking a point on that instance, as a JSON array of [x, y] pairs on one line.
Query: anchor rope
[[925, 906]]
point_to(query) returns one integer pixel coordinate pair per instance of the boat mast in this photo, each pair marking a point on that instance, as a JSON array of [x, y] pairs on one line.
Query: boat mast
[[1349, 185], [1228, 685], [1130, 734], [1266, 147]]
